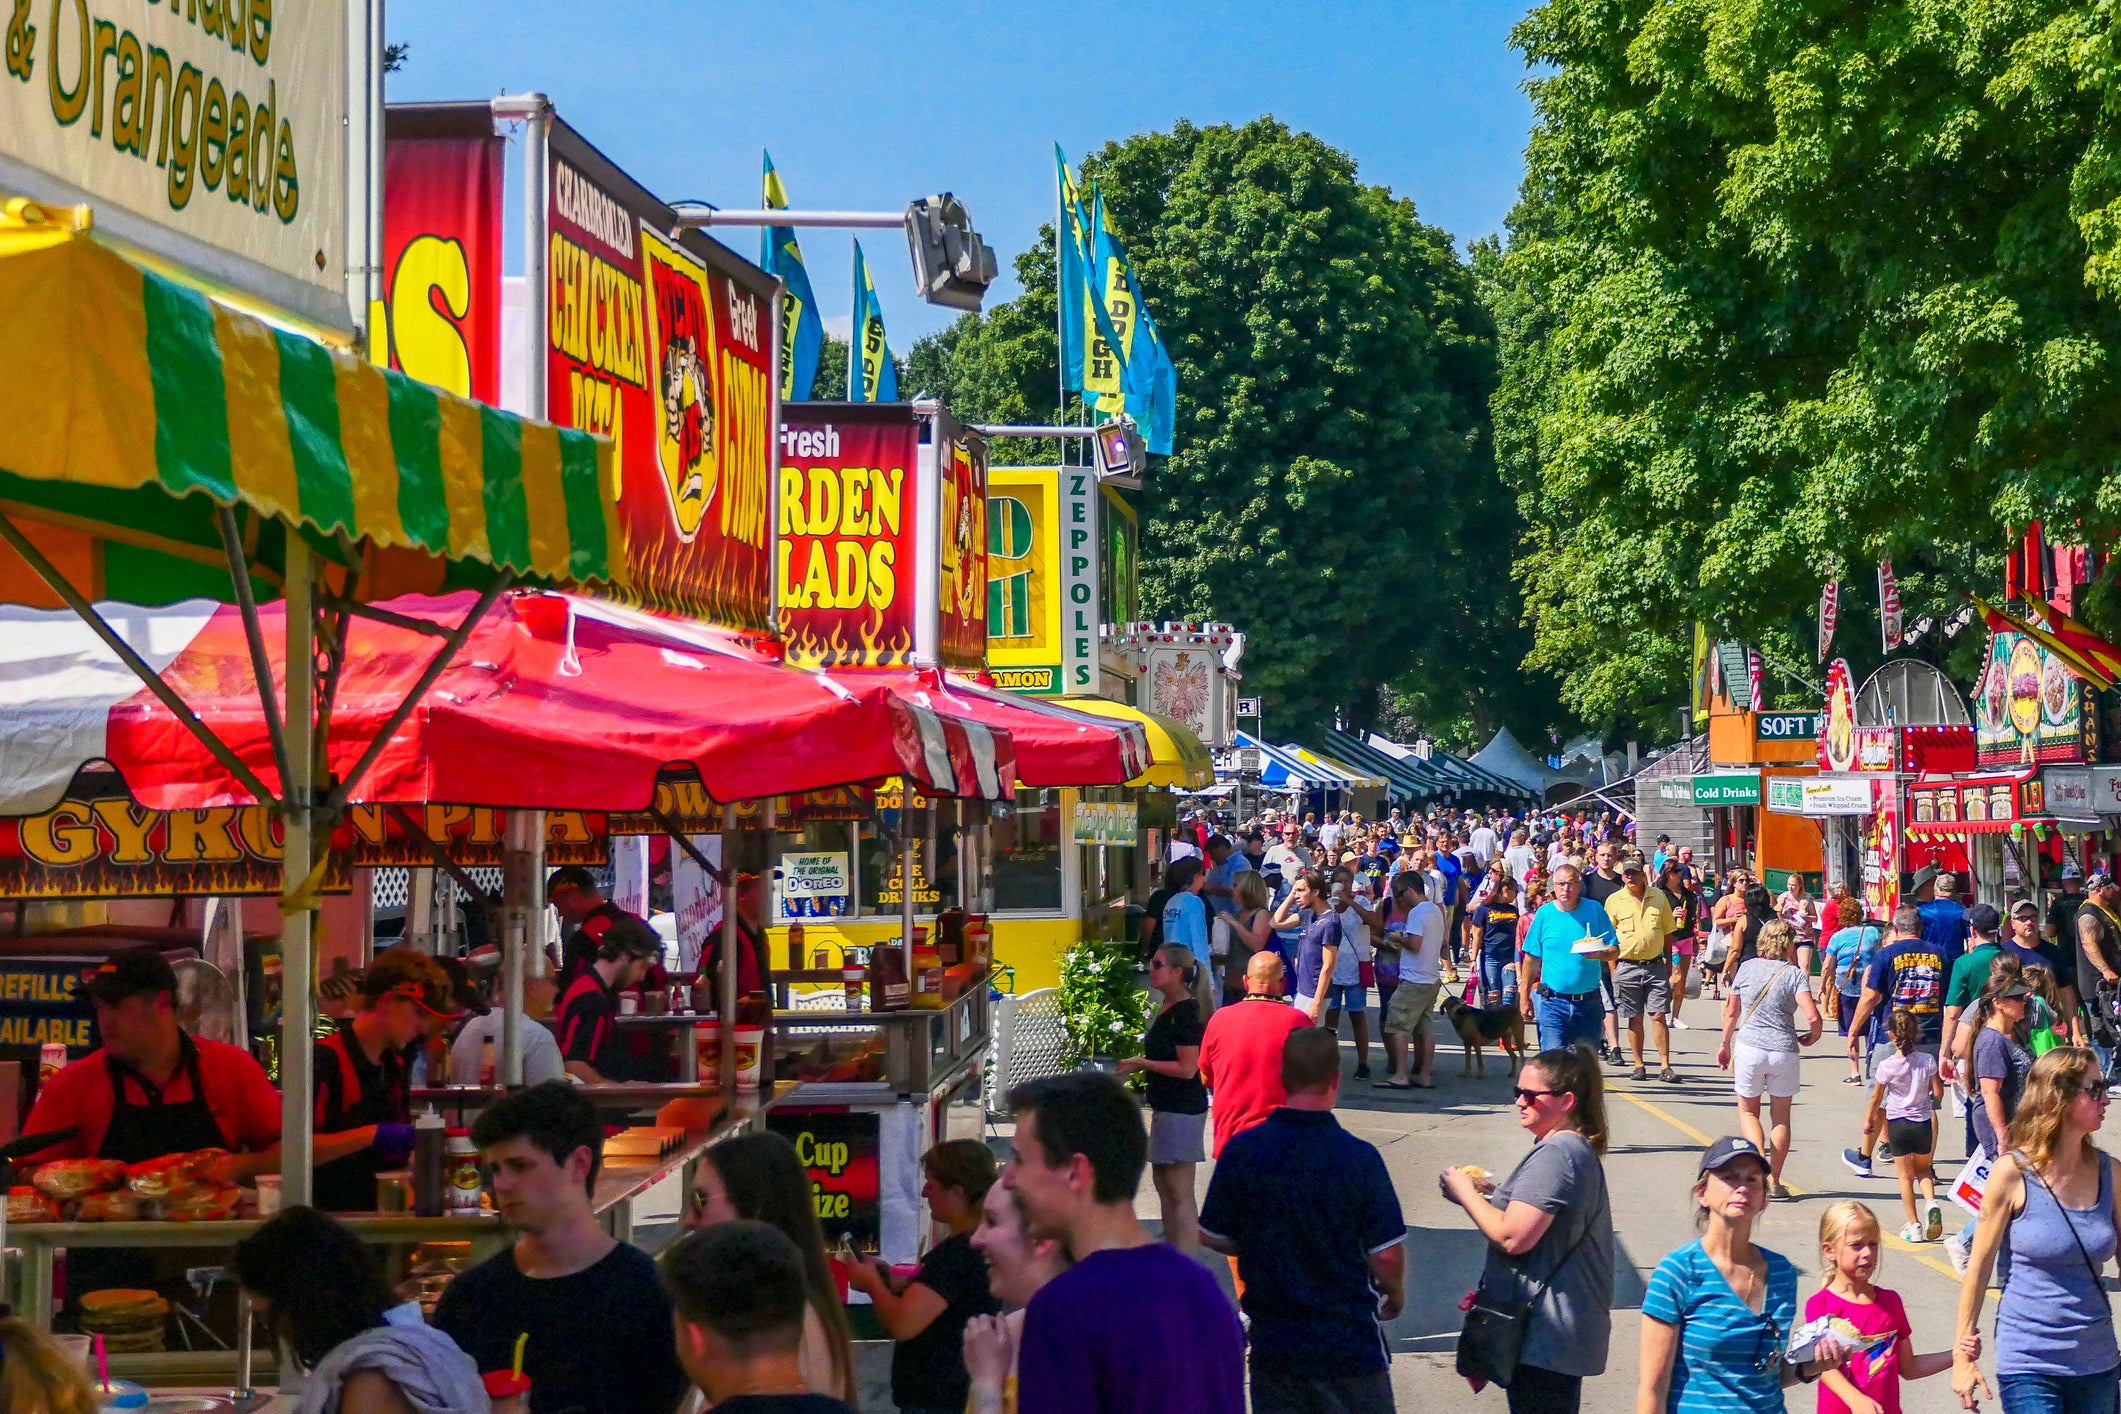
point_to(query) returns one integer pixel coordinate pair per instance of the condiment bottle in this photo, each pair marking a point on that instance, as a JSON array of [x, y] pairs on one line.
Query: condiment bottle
[[888, 983], [795, 947], [854, 977], [927, 989], [430, 1142], [466, 1187]]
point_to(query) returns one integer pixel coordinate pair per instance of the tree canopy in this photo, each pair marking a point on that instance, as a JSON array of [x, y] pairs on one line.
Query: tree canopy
[[1332, 487], [1791, 285]]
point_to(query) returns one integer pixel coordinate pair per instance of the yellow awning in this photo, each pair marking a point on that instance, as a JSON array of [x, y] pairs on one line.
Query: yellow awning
[[1177, 757]]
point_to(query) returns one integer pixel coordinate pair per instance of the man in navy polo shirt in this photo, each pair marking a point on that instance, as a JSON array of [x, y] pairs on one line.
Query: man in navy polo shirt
[[1320, 1276]]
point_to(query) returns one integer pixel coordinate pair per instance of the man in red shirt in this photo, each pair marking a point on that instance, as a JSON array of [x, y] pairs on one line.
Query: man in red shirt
[[585, 914], [1240, 1054]]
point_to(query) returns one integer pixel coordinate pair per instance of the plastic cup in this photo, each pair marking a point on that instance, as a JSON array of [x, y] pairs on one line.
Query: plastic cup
[[268, 1194], [79, 1349], [750, 1047], [707, 1039], [507, 1391]]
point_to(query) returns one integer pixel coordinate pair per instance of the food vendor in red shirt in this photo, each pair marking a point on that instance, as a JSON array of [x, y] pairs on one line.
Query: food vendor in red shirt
[[363, 1100], [150, 1090], [586, 914], [586, 1023]]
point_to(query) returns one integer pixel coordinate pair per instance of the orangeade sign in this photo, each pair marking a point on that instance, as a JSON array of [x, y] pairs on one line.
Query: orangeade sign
[[847, 515], [665, 346]]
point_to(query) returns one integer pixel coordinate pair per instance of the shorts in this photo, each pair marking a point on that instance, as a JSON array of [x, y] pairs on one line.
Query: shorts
[[1642, 988], [1177, 1138], [1910, 1136], [1413, 1009], [1351, 996], [1682, 945], [1849, 1001], [1756, 1072]]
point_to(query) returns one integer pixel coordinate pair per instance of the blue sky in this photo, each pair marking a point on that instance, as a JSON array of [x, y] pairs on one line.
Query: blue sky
[[871, 105]]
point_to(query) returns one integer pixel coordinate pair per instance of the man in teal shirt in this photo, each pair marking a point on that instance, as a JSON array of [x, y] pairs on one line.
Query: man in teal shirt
[[1559, 990]]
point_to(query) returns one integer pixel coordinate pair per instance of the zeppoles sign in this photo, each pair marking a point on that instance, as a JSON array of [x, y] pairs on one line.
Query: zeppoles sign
[[220, 121]]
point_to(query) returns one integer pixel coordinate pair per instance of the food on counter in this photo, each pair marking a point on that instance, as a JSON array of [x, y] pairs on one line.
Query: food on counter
[[203, 1205], [65, 1179], [130, 1321], [26, 1205], [175, 1175], [117, 1206]]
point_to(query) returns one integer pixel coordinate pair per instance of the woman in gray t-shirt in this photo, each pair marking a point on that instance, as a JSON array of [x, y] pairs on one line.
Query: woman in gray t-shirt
[[1761, 1041], [1549, 1227]]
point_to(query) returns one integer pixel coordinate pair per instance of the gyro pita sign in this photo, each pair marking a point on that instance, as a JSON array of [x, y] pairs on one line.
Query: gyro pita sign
[[211, 132]]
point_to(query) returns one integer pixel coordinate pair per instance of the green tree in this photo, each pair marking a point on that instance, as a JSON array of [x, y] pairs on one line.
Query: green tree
[[1332, 488], [1794, 284]]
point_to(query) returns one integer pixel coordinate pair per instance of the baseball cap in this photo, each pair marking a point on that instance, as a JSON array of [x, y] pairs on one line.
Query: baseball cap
[[135, 972], [2015, 989], [1983, 918], [2100, 879], [1724, 1150], [2070, 869], [2025, 908], [1633, 865]]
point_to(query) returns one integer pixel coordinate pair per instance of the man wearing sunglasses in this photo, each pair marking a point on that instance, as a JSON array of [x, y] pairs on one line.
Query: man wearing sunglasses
[[363, 1103]]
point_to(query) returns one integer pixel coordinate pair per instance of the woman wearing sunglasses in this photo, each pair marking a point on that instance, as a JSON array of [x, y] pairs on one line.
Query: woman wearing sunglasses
[[2053, 1195], [758, 1177], [1178, 1101], [1719, 1311], [1549, 1227]]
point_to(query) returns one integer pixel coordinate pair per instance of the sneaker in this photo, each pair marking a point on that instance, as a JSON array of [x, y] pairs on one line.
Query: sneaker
[[1668, 1075], [1859, 1163], [1779, 1192], [1641, 1072], [1932, 1220], [1678, 1025], [1362, 1072], [1955, 1252], [1912, 1233]]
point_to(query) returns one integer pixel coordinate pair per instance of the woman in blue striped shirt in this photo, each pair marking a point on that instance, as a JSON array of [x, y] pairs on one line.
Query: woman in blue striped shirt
[[1719, 1310]]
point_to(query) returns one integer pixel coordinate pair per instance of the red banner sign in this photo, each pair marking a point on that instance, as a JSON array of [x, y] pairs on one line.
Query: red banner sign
[[849, 508], [962, 594], [442, 248], [665, 346]]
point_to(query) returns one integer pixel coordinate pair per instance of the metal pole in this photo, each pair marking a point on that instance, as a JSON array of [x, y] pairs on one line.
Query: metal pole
[[534, 110], [695, 217], [521, 901], [297, 995], [905, 878], [773, 460], [726, 983]]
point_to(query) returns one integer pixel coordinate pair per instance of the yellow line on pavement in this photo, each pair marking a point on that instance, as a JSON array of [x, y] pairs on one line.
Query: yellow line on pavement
[[1917, 1252]]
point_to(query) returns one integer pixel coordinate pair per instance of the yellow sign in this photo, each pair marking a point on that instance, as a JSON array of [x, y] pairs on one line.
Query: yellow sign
[[1023, 599], [221, 124]]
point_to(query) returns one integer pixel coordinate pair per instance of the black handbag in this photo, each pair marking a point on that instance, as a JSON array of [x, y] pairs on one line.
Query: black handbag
[[1489, 1342]]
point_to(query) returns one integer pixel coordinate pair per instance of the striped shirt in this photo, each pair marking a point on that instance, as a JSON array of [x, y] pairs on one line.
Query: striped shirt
[[1723, 1346]]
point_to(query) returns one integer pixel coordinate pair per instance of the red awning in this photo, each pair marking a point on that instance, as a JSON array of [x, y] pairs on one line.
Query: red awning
[[1054, 745], [554, 702]]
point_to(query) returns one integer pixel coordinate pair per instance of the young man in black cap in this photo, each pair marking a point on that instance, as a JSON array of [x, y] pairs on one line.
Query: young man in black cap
[[587, 1028], [363, 1100]]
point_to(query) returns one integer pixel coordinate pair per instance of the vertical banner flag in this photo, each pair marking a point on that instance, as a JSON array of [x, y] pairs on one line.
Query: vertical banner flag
[[1829, 613], [442, 251], [802, 331], [1754, 680], [871, 375], [1889, 615], [961, 595], [1704, 689], [1071, 242], [1148, 381], [1104, 384]]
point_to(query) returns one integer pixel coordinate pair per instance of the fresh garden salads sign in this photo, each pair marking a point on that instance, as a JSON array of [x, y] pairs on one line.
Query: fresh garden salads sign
[[220, 123]]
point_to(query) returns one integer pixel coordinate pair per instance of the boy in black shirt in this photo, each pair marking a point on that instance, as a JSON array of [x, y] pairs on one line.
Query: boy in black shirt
[[739, 1295], [597, 1319]]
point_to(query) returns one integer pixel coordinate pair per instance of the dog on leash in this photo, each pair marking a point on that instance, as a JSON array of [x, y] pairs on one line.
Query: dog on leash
[[1481, 1027]]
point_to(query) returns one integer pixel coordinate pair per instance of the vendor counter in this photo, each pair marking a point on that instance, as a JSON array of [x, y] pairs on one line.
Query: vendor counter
[[1029, 946], [621, 1182]]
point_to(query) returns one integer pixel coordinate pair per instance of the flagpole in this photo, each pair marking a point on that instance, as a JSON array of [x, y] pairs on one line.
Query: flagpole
[[1060, 311]]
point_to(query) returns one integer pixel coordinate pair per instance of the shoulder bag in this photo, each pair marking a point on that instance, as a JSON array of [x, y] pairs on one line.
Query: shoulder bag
[[1489, 1342]]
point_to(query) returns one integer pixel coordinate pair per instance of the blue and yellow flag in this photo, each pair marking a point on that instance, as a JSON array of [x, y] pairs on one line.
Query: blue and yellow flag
[[1071, 239], [1128, 368], [872, 377], [802, 331]]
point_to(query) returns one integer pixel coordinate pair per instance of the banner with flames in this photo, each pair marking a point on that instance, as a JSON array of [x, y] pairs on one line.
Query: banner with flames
[[961, 595], [848, 515], [665, 346]]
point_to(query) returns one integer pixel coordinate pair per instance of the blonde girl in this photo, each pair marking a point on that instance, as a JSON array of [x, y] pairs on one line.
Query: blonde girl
[[1850, 1245], [1905, 1089]]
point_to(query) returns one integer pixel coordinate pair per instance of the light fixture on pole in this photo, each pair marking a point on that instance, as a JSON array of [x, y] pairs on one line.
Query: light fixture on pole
[[952, 265]]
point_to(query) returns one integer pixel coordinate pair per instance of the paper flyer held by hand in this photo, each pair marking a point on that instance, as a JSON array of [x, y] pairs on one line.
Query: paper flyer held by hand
[[1870, 1349]]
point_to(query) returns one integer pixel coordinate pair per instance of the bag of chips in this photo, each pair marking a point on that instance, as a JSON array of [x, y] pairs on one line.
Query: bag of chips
[[174, 1175], [77, 1178], [26, 1205]]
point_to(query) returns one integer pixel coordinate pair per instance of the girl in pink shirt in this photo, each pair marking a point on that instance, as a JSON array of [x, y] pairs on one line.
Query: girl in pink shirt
[[1850, 1243]]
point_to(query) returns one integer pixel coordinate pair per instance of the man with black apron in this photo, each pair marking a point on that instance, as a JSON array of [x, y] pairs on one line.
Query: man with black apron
[[363, 1098], [586, 915], [152, 1090]]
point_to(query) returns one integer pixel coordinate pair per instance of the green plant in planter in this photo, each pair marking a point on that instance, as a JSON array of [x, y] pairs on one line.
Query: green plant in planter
[[1101, 1001]]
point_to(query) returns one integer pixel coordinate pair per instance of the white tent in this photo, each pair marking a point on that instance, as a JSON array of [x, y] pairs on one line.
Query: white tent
[[1506, 757]]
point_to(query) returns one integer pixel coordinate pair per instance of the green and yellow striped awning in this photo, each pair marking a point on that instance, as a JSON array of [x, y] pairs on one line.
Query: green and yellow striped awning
[[129, 404]]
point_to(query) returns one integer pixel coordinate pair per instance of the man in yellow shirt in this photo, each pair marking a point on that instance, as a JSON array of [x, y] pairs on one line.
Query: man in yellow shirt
[[1642, 978]]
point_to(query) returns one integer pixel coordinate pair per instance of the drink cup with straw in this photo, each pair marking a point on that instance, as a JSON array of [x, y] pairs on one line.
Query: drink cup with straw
[[509, 1390]]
